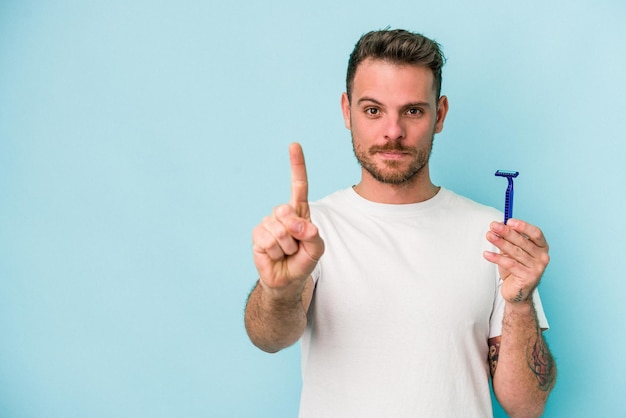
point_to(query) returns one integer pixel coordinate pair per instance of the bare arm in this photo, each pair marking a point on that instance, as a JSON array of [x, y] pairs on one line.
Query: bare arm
[[522, 366], [286, 249], [273, 324]]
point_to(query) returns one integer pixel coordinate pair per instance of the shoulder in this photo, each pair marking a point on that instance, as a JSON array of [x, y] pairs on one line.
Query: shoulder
[[468, 207], [466, 214], [338, 208], [337, 201]]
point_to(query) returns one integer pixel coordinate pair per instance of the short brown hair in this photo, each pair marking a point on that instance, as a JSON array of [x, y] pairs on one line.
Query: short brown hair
[[397, 46]]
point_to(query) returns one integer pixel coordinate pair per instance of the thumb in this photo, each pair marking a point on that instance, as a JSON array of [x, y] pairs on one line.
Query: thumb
[[309, 237]]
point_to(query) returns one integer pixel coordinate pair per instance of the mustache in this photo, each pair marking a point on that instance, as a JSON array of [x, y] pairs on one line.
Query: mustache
[[391, 146]]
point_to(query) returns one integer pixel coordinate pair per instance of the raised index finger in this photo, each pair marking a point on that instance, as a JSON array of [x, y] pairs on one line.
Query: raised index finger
[[299, 184]]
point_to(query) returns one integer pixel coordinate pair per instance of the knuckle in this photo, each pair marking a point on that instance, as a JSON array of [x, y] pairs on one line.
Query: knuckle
[[262, 243], [519, 252], [507, 262], [265, 222], [257, 233], [280, 232], [282, 211]]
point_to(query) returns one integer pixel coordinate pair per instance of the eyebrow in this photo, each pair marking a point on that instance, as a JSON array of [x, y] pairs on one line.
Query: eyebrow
[[411, 104], [369, 99]]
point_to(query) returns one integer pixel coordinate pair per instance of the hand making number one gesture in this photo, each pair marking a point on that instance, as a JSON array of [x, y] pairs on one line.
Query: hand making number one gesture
[[286, 245]]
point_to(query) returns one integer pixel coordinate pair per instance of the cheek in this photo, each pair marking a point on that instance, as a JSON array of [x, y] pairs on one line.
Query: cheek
[[364, 125], [362, 133], [426, 128]]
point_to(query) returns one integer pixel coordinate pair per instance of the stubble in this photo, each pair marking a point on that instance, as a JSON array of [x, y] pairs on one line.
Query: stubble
[[392, 171]]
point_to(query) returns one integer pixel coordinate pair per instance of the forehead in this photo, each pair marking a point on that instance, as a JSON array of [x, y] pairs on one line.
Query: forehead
[[382, 79]]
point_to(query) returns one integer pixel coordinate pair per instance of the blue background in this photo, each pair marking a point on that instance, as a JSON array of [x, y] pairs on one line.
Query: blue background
[[141, 141]]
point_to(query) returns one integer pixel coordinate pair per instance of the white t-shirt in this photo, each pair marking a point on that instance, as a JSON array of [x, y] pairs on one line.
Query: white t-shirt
[[403, 306]]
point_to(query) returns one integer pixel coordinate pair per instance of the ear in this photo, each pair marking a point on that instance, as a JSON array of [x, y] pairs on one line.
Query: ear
[[345, 109], [442, 111]]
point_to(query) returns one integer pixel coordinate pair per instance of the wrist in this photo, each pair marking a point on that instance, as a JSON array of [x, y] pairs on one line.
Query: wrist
[[286, 295], [522, 307]]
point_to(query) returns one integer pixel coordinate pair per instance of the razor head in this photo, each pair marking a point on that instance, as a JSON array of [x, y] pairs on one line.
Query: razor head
[[507, 173]]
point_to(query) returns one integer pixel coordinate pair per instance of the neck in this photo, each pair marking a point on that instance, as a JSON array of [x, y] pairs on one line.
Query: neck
[[417, 189]]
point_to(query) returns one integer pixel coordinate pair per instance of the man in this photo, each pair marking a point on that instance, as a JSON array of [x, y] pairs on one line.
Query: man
[[403, 305]]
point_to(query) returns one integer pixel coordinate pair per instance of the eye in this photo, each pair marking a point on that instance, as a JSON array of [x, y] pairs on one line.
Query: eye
[[372, 111], [414, 111]]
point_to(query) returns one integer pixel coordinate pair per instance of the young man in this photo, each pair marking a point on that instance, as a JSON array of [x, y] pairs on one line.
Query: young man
[[404, 306]]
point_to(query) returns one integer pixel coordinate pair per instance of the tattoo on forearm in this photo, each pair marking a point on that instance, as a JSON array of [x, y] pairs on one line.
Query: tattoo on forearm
[[494, 351], [519, 297], [541, 362]]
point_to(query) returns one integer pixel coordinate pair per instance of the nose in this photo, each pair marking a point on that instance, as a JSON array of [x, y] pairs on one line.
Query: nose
[[394, 129]]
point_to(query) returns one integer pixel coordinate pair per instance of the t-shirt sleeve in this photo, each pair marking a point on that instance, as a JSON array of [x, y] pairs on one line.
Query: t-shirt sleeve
[[317, 272], [495, 323], [317, 219]]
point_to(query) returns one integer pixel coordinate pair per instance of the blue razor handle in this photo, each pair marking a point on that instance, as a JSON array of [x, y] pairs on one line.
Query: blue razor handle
[[508, 201]]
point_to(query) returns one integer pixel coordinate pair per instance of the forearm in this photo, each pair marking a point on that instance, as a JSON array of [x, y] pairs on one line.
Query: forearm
[[525, 372], [274, 322]]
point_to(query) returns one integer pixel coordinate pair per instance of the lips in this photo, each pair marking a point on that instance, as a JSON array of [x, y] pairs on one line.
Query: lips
[[393, 155]]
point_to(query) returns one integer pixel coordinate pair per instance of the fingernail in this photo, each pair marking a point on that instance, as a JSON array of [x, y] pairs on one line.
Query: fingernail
[[497, 227], [297, 227]]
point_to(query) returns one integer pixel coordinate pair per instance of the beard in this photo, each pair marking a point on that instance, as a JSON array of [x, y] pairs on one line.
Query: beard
[[392, 171]]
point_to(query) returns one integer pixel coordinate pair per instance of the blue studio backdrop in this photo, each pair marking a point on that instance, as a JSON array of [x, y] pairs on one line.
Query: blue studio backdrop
[[141, 141]]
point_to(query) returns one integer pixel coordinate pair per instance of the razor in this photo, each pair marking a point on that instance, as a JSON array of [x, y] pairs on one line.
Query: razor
[[508, 201]]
